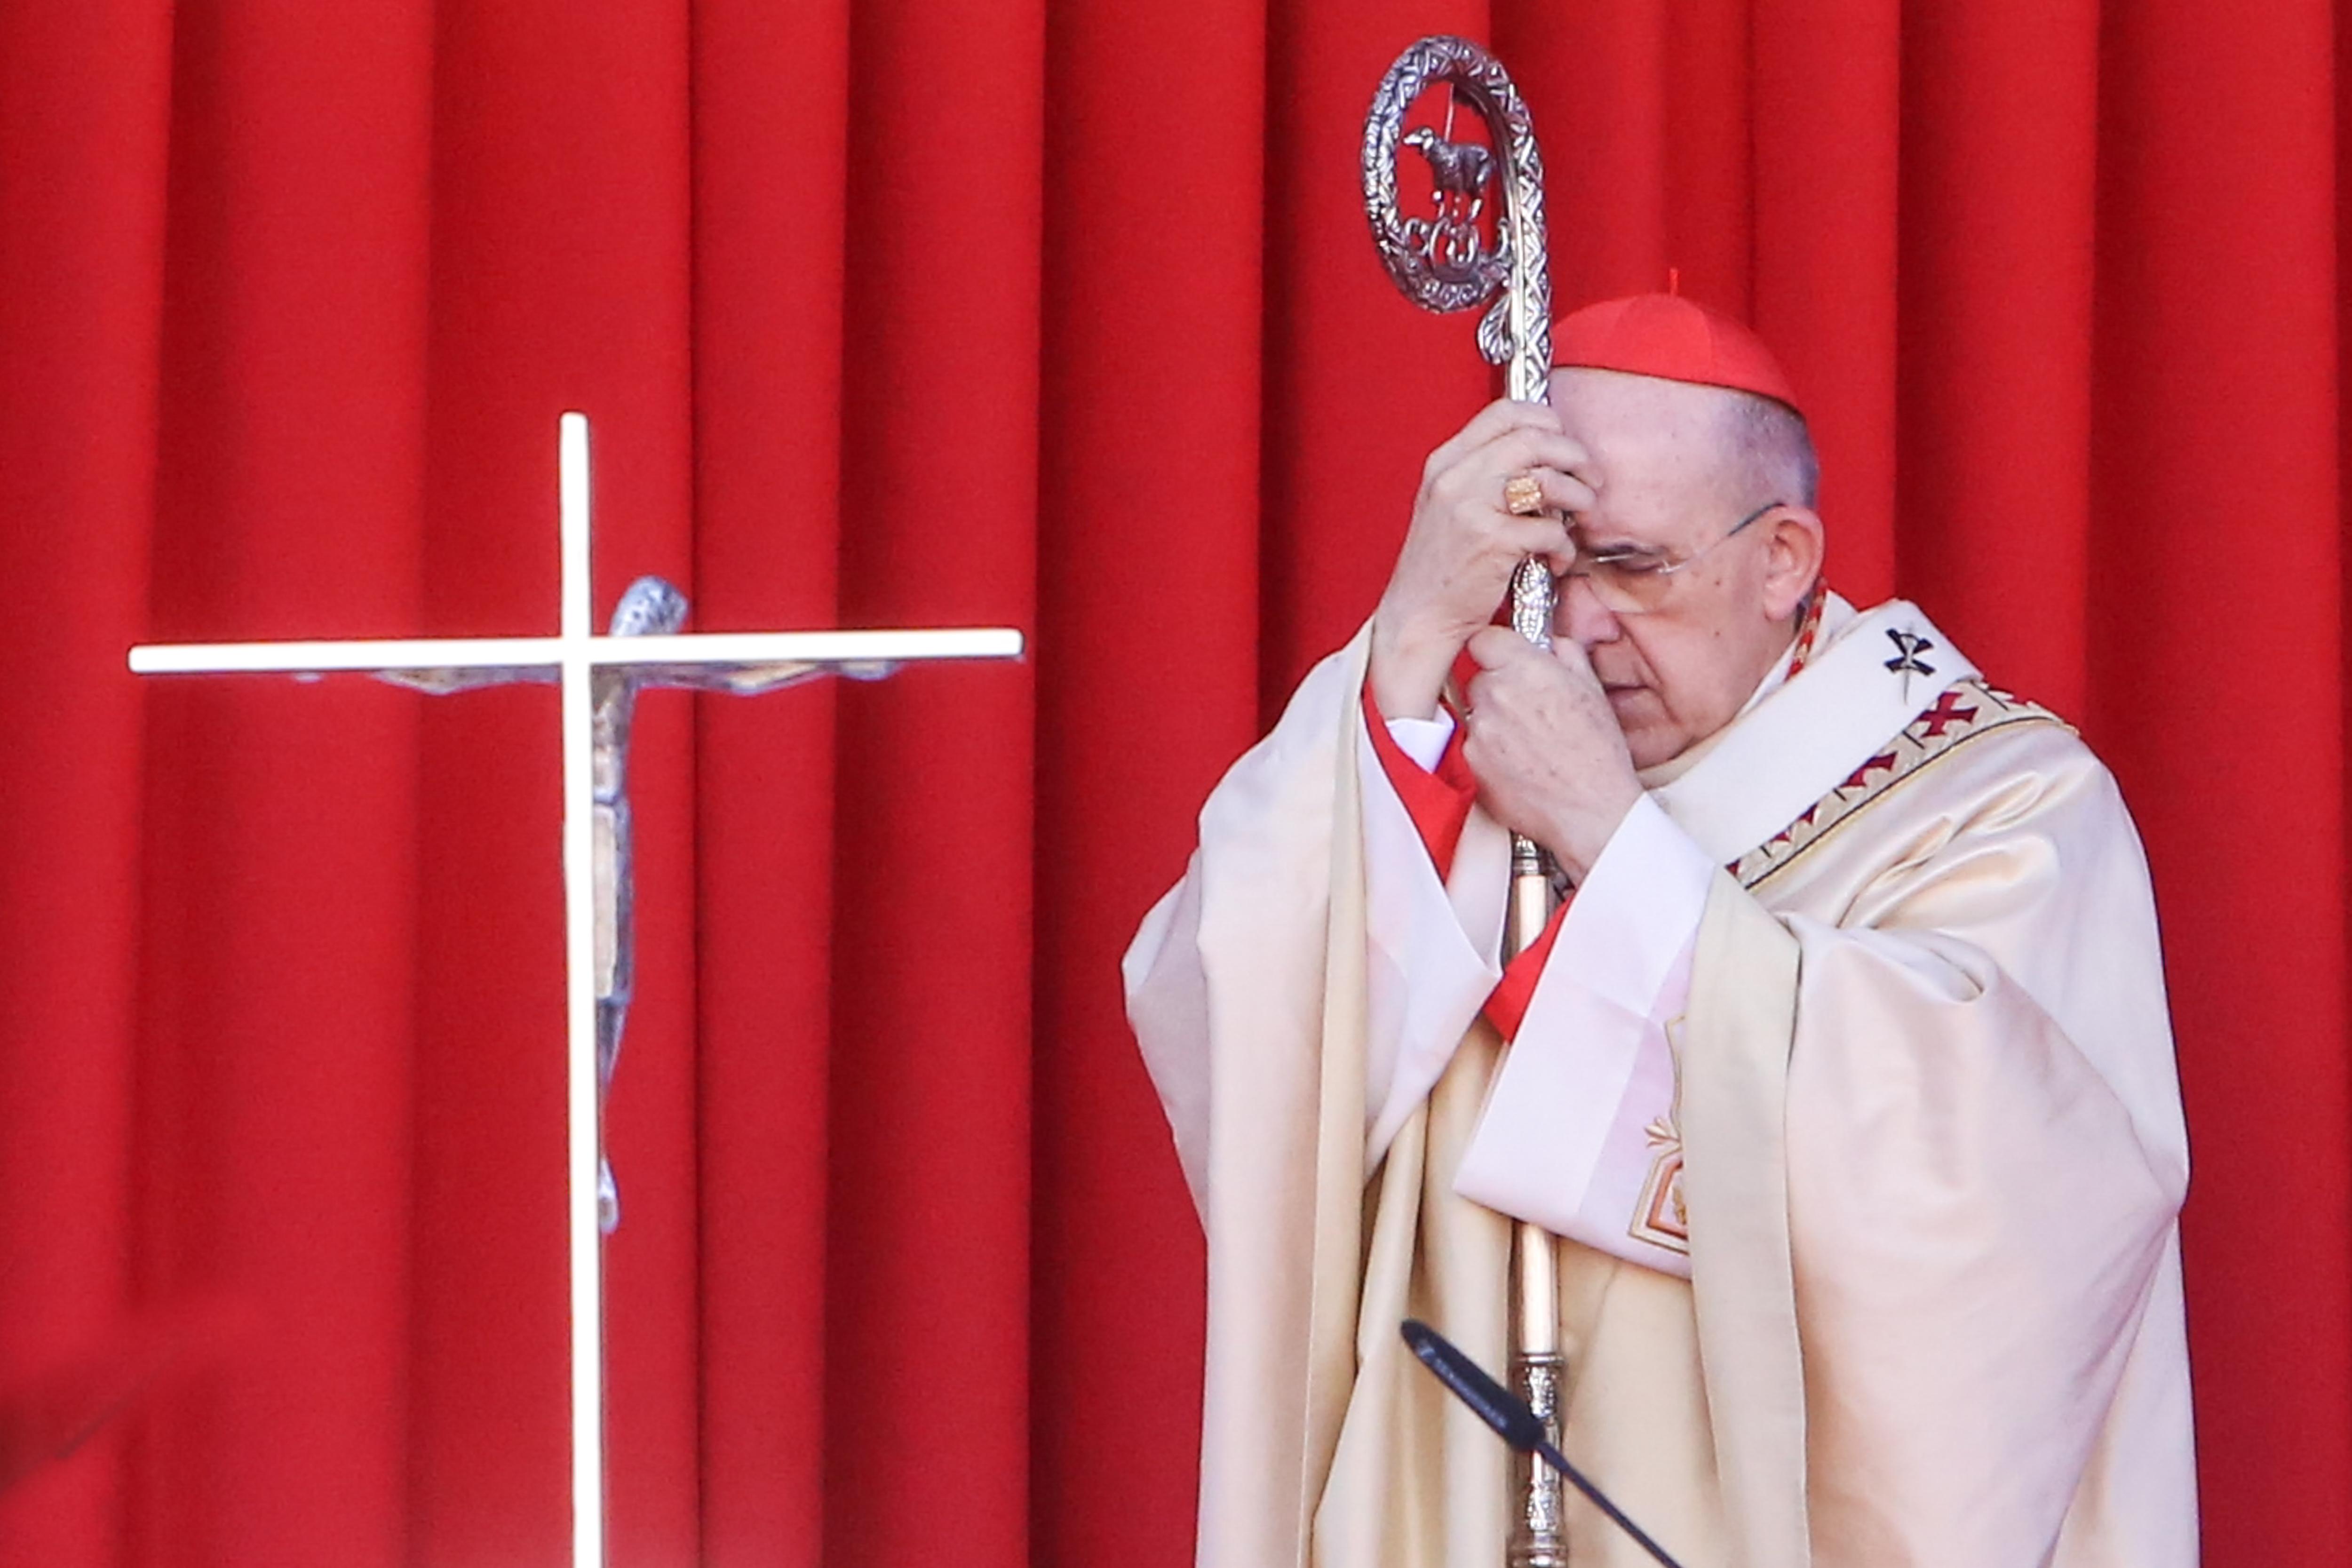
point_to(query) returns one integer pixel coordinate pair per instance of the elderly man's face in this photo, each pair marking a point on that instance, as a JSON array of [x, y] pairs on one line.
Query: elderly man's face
[[1669, 484]]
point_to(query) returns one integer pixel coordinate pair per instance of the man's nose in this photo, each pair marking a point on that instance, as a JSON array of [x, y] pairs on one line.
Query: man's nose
[[1579, 613]]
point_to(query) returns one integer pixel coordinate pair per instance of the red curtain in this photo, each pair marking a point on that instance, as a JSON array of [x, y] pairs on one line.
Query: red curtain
[[1059, 315]]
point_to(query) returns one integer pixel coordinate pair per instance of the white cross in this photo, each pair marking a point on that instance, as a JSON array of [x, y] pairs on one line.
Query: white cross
[[742, 662]]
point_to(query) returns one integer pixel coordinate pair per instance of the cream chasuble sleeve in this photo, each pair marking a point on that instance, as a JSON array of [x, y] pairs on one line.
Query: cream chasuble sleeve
[[1249, 988], [1956, 1093], [1431, 960]]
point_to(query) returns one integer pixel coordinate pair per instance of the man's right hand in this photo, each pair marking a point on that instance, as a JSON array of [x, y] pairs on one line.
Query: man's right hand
[[1463, 546]]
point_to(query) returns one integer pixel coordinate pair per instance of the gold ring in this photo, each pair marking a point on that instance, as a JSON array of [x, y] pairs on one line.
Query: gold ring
[[1523, 496]]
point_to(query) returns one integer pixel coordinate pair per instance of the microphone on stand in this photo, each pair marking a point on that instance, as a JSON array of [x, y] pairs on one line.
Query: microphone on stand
[[1513, 1422]]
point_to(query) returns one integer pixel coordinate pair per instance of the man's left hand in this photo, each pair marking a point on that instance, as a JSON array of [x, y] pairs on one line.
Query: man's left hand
[[1550, 758]]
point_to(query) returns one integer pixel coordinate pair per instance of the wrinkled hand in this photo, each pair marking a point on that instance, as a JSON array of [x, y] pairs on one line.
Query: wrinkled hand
[[1463, 546], [1550, 758]]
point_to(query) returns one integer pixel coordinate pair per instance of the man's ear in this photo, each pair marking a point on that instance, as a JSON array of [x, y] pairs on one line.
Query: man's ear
[[1794, 545]]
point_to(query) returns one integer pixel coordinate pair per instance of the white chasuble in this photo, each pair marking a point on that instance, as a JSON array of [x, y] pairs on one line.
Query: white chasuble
[[1922, 1164]]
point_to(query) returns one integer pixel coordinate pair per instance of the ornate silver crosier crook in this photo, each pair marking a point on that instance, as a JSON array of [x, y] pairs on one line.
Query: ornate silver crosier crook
[[1442, 262]]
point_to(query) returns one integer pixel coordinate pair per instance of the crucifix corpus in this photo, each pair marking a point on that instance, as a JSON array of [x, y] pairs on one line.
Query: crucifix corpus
[[599, 678]]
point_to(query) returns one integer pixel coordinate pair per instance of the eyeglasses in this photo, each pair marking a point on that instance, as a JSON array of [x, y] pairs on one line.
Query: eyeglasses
[[1636, 582]]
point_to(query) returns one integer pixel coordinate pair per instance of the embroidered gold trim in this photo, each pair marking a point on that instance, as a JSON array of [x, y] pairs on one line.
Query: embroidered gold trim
[[1966, 710]]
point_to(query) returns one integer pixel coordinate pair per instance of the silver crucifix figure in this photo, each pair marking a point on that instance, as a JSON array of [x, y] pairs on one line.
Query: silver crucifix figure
[[652, 606], [1444, 262], [599, 678]]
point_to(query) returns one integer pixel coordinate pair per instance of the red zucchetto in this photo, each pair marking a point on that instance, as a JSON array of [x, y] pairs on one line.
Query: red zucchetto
[[1673, 338]]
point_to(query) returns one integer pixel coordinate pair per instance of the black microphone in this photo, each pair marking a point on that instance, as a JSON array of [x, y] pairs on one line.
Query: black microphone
[[1513, 1422]]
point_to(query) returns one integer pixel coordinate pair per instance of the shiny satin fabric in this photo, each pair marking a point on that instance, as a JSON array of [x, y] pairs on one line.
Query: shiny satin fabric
[[1934, 1153]]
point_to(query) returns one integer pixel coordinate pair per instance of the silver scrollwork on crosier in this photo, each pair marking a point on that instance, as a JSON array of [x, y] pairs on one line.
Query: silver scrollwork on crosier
[[1442, 261]]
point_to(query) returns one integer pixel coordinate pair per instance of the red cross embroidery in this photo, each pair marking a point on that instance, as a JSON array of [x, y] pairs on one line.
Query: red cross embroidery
[[1946, 711], [1882, 763]]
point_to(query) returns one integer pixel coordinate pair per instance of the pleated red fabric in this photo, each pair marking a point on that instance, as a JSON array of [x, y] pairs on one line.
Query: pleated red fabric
[[1040, 313]]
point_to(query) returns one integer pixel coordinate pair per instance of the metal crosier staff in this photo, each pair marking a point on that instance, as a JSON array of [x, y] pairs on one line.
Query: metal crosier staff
[[1444, 262]]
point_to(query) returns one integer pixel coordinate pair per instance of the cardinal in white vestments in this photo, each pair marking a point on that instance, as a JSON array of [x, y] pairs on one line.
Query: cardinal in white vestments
[[1843, 1075]]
